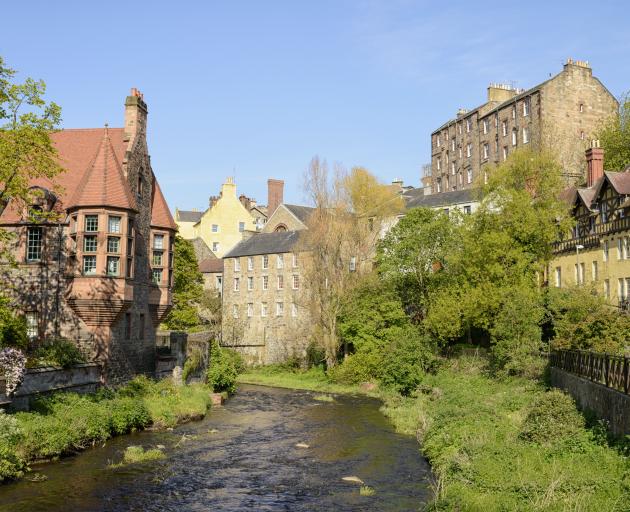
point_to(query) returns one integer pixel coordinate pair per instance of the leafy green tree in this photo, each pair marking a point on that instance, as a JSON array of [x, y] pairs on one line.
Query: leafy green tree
[[187, 287], [614, 137], [12, 326]]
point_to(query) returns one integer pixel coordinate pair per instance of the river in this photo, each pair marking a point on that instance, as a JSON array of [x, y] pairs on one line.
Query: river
[[243, 456]]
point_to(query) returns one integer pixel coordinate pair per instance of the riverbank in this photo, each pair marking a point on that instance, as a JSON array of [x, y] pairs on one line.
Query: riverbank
[[498, 444], [66, 423]]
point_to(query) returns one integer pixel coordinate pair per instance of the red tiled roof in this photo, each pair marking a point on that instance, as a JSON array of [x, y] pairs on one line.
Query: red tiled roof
[[211, 265], [620, 181], [160, 214]]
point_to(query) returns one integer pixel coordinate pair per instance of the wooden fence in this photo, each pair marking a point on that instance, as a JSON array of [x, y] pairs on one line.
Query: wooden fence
[[611, 371]]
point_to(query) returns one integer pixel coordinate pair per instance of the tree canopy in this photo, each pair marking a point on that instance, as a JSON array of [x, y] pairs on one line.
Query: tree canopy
[[614, 137]]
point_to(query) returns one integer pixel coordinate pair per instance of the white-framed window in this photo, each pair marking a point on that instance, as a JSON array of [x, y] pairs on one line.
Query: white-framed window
[[280, 282], [438, 141], [32, 329], [295, 260], [453, 144], [505, 152], [158, 258], [113, 265], [486, 150], [250, 283], [459, 128], [558, 274], [265, 282], [237, 264], [459, 152], [250, 309], [235, 310], [453, 168], [353, 264], [34, 243], [250, 263], [607, 288], [504, 128], [514, 137], [156, 275], [438, 184], [439, 163], [294, 310], [594, 270], [263, 309], [621, 288], [90, 243], [215, 228], [91, 223], [468, 125], [468, 209], [469, 150], [605, 250], [113, 224], [619, 248], [626, 249], [280, 261], [279, 308], [265, 262], [296, 282], [525, 135], [525, 107], [469, 175], [158, 241], [514, 112], [237, 284], [89, 265], [485, 126], [241, 227], [113, 244]]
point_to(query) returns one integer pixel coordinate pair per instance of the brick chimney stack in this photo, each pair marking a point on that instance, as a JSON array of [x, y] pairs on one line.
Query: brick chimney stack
[[275, 195], [595, 163], [135, 116]]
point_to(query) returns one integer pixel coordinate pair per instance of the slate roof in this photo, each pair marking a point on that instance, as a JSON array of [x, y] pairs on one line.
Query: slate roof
[[188, 216], [211, 266], [301, 212], [265, 243], [416, 198]]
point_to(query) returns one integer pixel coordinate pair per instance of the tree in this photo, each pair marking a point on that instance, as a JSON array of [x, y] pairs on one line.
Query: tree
[[614, 137], [340, 240], [187, 287]]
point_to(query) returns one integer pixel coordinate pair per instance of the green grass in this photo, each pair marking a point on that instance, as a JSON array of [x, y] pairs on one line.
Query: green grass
[[366, 490], [324, 398], [137, 455]]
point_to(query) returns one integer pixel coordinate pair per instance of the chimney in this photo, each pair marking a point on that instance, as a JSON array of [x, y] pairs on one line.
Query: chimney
[[501, 92], [595, 163], [135, 116], [275, 195]]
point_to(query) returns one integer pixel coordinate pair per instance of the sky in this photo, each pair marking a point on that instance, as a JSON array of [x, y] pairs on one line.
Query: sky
[[255, 89]]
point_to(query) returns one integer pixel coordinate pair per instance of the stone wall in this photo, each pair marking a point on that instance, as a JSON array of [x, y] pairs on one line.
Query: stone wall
[[607, 404]]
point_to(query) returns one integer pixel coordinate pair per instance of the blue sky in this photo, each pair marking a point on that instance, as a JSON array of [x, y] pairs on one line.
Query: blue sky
[[255, 89]]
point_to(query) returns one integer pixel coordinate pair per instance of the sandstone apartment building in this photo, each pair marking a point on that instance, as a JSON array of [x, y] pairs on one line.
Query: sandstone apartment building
[[561, 113], [99, 274]]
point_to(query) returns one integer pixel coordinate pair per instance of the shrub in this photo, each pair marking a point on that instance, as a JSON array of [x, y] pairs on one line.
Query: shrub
[[553, 419], [225, 365], [193, 364], [357, 368], [12, 368], [11, 464], [59, 353], [12, 327], [129, 414], [139, 386]]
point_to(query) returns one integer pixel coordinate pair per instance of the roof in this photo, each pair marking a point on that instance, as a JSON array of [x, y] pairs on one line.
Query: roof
[[416, 198], [188, 216], [620, 181], [160, 214], [265, 243], [211, 266], [301, 212]]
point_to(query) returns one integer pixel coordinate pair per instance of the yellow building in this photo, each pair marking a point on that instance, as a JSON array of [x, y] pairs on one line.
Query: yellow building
[[598, 249]]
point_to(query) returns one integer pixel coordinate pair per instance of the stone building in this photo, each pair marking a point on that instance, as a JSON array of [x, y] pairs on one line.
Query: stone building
[[288, 217], [561, 113], [264, 313], [465, 200], [100, 273], [597, 251]]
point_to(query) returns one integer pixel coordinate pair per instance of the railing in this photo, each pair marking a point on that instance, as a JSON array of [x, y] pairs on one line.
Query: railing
[[592, 239], [569, 245], [611, 371]]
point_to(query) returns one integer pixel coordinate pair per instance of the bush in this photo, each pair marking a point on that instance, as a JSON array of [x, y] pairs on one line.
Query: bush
[[225, 365], [357, 368], [12, 327], [140, 386], [11, 464], [553, 419], [129, 414], [194, 363], [61, 353]]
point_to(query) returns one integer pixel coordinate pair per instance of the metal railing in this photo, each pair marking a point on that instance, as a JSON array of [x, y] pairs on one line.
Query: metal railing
[[609, 370]]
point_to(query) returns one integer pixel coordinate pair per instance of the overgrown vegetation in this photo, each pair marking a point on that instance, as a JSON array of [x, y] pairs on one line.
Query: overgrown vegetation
[[137, 455], [614, 136], [65, 423], [225, 366], [60, 353]]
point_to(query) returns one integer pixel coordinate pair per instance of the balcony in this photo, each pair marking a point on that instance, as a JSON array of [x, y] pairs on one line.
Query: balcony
[[593, 238]]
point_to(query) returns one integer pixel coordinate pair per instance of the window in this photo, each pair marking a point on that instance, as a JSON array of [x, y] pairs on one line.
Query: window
[[496, 147], [219, 283], [353, 264], [607, 288], [91, 223], [558, 277], [250, 283], [237, 284], [605, 250], [34, 244], [582, 136], [486, 150], [158, 241], [215, 228], [594, 271], [235, 310], [459, 128], [581, 107], [280, 261], [127, 326], [514, 112], [32, 330], [514, 137], [485, 126], [157, 258], [129, 267], [460, 179], [469, 175], [73, 224], [295, 260], [250, 310], [140, 187], [215, 247], [504, 128], [525, 135], [619, 248], [265, 282], [439, 163], [604, 211], [89, 265], [447, 158], [526, 107], [439, 185], [280, 282], [467, 209], [156, 275], [90, 244], [294, 310], [505, 152], [237, 265], [113, 244], [279, 308], [469, 150], [468, 125], [113, 265], [241, 227], [621, 288], [265, 261], [626, 253], [453, 168], [113, 224], [296, 282], [438, 142], [250, 263], [453, 144], [459, 152], [263, 309]]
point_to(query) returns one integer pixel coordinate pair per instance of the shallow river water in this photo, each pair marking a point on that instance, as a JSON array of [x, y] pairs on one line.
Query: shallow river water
[[243, 457]]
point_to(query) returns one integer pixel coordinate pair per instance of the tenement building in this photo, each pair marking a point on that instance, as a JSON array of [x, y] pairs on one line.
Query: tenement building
[[265, 316], [99, 271], [561, 114], [597, 251]]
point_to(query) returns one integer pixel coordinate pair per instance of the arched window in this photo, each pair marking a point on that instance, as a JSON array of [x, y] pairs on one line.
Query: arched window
[[280, 227]]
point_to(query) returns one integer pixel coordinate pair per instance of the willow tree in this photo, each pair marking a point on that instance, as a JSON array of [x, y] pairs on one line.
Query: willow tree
[[340, 239]]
